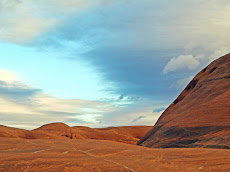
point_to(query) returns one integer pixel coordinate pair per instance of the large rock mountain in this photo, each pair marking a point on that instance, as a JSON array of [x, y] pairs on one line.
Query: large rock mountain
[[200, 116]]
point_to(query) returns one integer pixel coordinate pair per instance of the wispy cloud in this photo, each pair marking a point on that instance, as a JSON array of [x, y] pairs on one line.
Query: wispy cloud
[[24, 106], [20, 102], [23, 21]]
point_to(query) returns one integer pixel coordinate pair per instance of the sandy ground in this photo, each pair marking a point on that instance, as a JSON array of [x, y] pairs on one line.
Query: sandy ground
[[97, 155]]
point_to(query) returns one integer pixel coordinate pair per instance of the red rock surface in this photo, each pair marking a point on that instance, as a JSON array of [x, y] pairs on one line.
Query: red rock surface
[[66, 155], [25, 134], [200, 116], [127, 134]]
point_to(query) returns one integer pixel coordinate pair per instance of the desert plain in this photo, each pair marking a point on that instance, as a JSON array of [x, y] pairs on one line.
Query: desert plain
[[101, 155]]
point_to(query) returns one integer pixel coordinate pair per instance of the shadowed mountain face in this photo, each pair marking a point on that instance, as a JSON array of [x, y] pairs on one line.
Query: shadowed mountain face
[[200, 116], [128, 134]]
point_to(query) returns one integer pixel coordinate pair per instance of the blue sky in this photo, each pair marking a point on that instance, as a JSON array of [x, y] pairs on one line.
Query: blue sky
[[103, 62]]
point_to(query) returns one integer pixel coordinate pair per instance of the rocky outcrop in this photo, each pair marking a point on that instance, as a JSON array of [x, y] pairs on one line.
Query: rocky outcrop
[[126, 134], [200, 116]]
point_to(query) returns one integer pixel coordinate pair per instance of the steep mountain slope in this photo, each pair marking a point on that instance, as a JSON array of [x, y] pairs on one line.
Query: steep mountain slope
[[127, 134], [200, 116]]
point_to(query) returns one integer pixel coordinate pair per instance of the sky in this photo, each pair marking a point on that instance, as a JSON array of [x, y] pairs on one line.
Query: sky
[[103, 63]]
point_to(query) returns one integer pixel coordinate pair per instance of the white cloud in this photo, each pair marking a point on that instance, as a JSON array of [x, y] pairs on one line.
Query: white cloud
[[20, 22], [204, 26], [8, 76], [191, 26], [44, 109], [181, 62], [7, 106], [23, 21]]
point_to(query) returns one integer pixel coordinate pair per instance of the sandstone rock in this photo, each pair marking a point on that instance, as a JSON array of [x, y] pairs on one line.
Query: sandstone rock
[[200, 116]]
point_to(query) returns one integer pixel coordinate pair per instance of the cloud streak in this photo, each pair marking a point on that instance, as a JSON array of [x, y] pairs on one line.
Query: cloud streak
[[20, 102], [23, 21], [24, 106]]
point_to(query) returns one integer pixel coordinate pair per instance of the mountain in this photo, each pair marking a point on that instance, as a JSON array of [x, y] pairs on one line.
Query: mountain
[[126, 134], [200, 116]]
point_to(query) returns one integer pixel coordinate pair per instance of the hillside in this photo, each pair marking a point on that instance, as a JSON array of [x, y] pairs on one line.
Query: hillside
[[200, 116], [126, 134]]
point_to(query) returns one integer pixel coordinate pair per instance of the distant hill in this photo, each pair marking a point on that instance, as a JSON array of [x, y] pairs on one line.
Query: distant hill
[[200, 116], [127, 134]]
